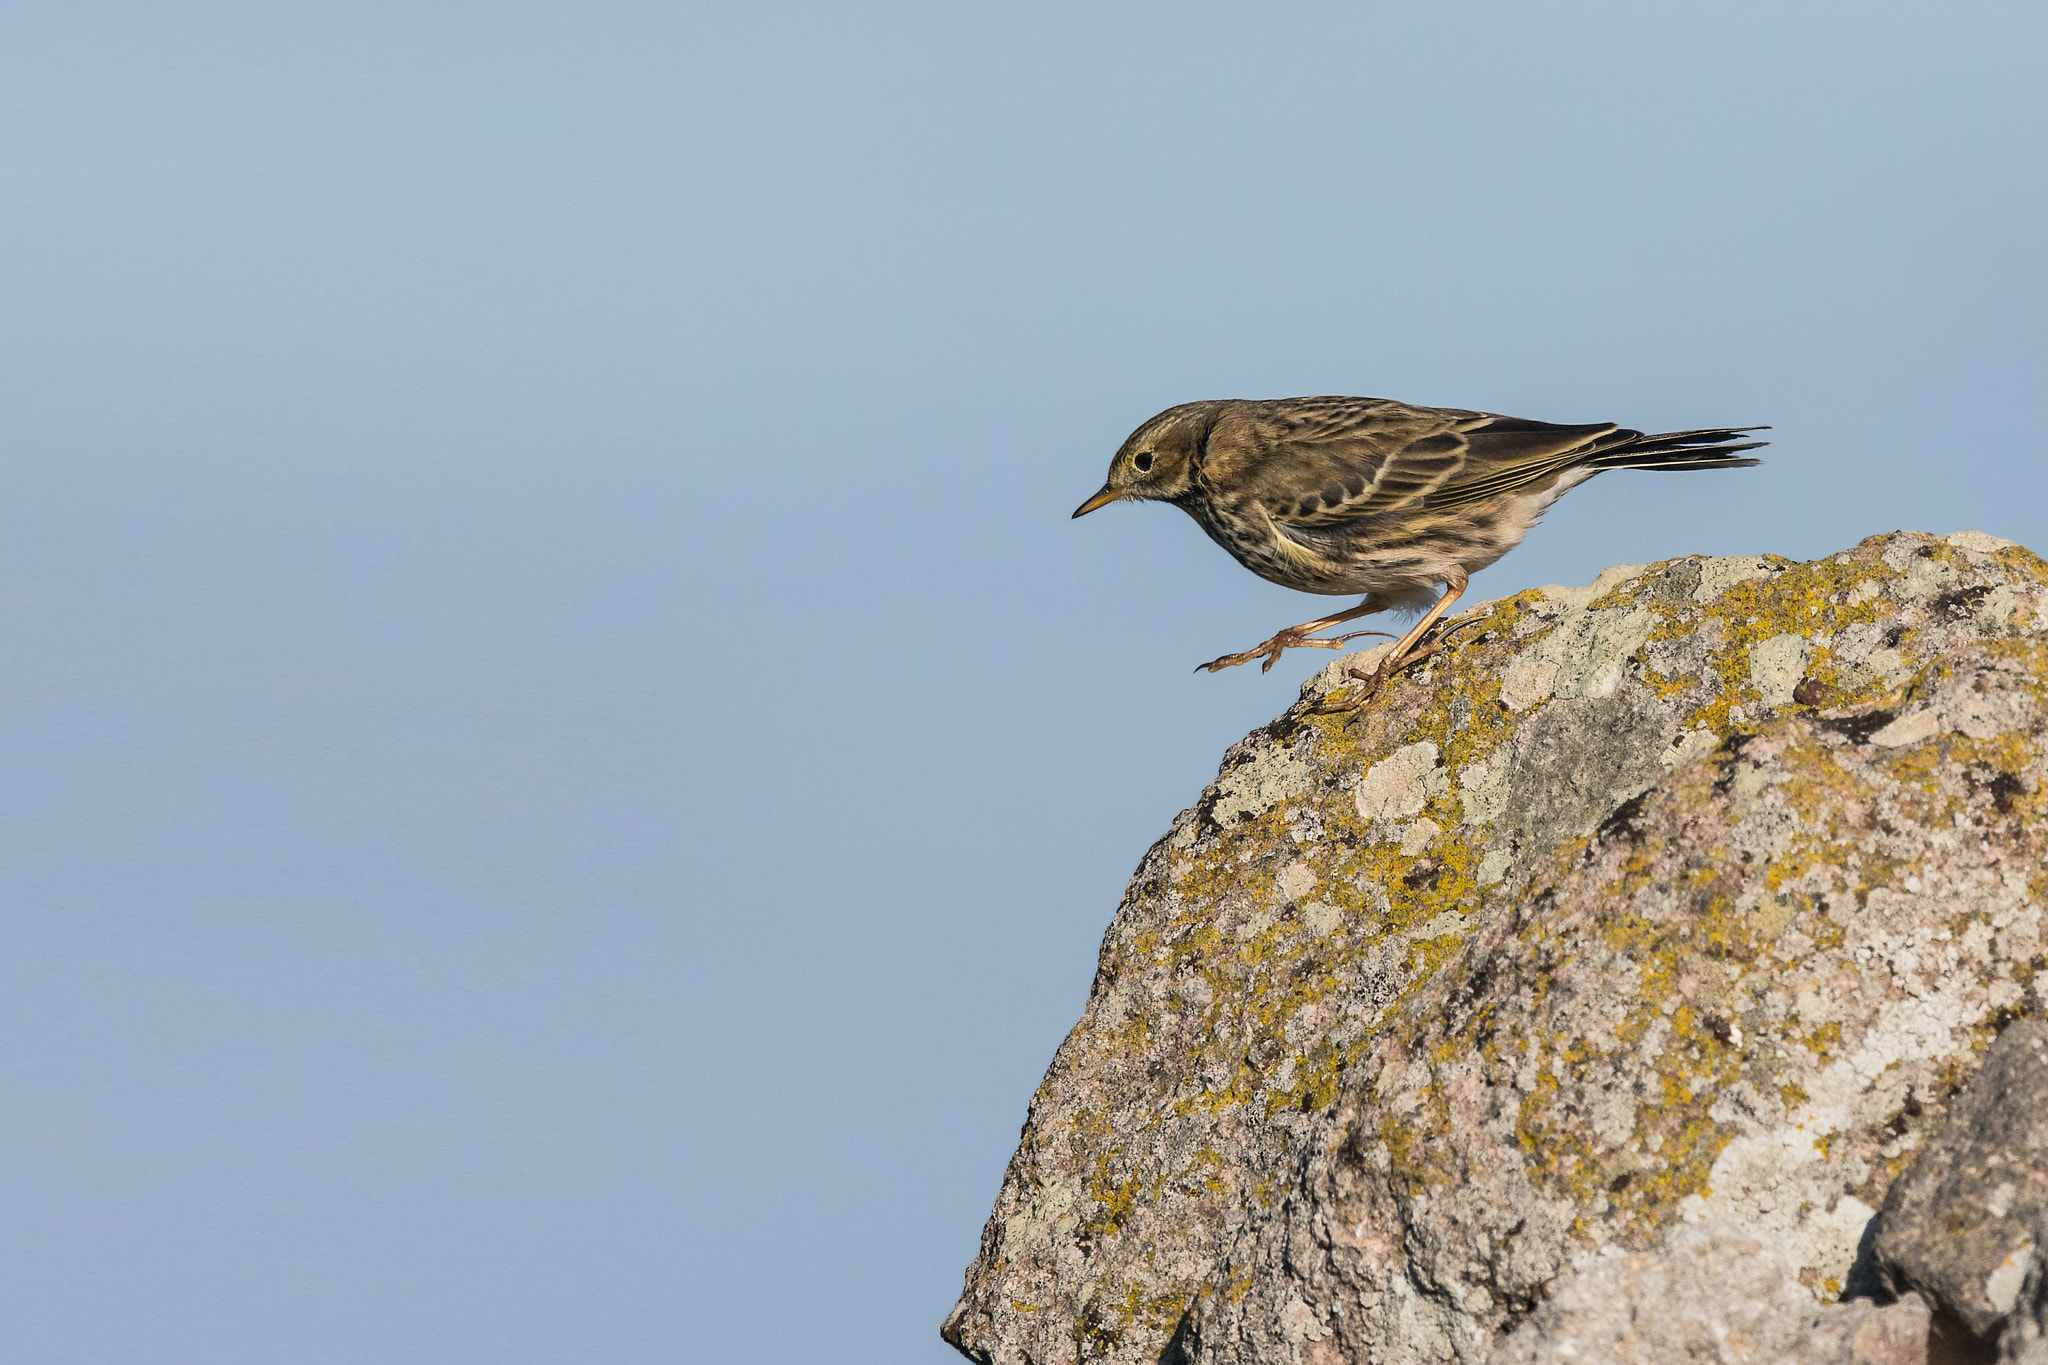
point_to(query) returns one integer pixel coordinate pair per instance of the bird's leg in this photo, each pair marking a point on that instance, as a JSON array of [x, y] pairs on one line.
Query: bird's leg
[[1405, 651], [1297, 637]]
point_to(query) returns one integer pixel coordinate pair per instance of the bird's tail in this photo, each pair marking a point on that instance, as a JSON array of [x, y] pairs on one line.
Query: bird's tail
[[1715, 448]]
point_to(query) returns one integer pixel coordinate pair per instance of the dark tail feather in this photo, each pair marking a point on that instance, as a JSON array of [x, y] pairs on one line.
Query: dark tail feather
[[1711, 449]]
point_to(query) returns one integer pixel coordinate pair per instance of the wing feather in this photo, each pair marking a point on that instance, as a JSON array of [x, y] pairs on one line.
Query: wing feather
[[1311, 462], [1318, 467], [1316, 463]]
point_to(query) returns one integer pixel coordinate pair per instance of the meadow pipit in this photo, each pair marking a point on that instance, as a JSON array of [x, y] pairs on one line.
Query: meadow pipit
[[1367, 495]]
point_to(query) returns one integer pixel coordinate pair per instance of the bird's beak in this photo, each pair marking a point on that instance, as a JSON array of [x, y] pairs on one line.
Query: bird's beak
[[1107, 496]]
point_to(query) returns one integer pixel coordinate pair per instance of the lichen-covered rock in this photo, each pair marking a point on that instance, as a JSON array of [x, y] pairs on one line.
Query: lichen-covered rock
[[1959, 1225], [1714, 1293], [1695, 893]]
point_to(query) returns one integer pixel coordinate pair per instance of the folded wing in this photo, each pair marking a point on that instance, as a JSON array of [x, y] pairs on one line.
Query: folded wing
[[1319, 462]]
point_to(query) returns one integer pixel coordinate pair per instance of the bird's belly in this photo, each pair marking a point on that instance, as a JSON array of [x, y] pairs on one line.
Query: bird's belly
[[1398, 557]]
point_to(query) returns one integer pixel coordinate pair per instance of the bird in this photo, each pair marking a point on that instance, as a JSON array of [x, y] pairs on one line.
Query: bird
[[1340, 495]]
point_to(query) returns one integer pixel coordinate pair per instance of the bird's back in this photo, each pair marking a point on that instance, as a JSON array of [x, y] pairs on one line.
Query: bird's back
[[1338, 494]]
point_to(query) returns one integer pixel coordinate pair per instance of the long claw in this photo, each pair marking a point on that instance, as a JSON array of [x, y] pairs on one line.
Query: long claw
[[1272, 649], [1370, 684], [1298, 637]]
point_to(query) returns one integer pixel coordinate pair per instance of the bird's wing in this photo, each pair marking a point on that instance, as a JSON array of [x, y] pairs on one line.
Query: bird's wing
[[1316, 462], [1504, 454]]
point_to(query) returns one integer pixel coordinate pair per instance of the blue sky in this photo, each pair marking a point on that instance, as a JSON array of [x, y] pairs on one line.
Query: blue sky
[[565, 765]]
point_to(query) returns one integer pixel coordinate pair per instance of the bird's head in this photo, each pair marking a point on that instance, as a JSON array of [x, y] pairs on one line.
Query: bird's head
[[1157, 463]]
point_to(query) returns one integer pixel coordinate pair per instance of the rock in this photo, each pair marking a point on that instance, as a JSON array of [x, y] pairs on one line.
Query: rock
[[1960, 1226], [1694, 894], [1713, 1293], [2026, 1332]]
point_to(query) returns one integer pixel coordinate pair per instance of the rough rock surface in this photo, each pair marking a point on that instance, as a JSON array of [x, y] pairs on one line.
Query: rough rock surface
[[1695, 893], [1959, 1226], [1714, 1293], [2026, 1334]]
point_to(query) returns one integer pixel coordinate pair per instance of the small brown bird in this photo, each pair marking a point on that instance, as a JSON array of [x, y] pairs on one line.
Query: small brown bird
[[1366, 495]]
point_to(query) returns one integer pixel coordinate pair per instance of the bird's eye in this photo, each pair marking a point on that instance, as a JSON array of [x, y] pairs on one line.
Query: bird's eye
[[1143, 463]]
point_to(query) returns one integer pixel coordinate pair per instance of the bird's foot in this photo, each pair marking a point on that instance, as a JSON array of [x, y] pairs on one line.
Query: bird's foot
[[1294, 637], [1368, 686]]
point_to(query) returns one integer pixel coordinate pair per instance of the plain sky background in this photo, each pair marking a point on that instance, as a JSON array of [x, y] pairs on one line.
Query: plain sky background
[[564, 763]]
